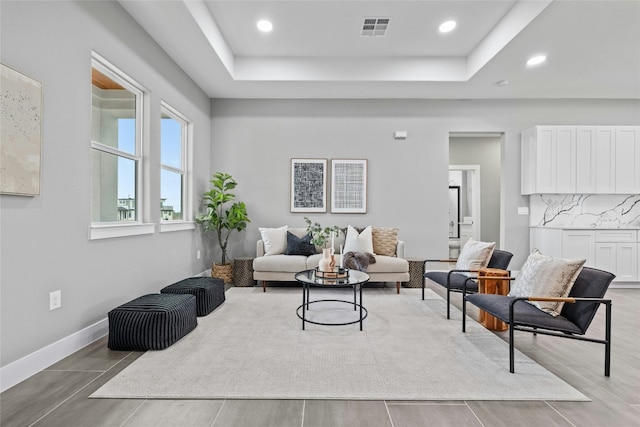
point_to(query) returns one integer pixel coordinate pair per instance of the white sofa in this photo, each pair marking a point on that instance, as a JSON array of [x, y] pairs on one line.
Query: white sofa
[[284, 267]]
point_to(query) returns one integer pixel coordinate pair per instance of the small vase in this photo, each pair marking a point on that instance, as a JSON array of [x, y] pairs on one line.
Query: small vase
[[327, 262]]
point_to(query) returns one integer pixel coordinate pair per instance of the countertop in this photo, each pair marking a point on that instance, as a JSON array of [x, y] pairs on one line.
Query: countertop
[[573, 227]]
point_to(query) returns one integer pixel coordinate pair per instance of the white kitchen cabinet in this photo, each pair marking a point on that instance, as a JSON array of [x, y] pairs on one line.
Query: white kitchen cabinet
[[627, 163], [605, 160], [619, 258], [627, 262], [579, 244], [546, 240], [580, 160], [617, 251], [614, 250], [548, 160], [585, 159], [564, 243], [606, 256]]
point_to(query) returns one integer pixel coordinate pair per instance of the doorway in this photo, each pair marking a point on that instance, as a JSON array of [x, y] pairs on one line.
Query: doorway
[[475, 165], [465, 179]]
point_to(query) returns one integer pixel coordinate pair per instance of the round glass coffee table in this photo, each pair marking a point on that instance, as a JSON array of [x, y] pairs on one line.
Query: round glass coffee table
[[311, 279]]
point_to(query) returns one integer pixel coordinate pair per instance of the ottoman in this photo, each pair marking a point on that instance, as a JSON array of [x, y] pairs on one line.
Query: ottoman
[[151, 322], [209, 292]]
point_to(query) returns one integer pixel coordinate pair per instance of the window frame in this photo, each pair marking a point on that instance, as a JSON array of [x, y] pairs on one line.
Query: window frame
[[186, 223], [111, 229]]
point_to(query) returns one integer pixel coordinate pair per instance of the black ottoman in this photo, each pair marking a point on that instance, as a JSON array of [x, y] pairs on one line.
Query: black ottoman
[[209, 292], [151, 322]]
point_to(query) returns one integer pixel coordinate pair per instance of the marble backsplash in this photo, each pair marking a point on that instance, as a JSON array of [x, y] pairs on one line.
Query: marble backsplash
[[584, 210]]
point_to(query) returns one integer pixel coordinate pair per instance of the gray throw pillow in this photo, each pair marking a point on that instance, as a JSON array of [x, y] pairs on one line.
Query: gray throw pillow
[[299, 245]]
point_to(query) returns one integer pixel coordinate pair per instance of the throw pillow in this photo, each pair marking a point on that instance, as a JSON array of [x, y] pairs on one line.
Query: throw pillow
[[299, 245], [543, 275], [475, 255], [358, 242], [275, 240], [385, 240]]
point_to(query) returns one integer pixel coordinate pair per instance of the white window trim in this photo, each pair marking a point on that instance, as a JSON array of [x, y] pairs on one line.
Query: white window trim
[[168, 226], [106, 230], [187, 165], [110, 230]]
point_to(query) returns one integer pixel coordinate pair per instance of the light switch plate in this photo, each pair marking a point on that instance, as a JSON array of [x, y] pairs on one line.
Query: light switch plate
[[523, 210]]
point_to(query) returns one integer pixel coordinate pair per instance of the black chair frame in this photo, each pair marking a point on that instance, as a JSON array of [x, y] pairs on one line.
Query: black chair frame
[[513, 326]]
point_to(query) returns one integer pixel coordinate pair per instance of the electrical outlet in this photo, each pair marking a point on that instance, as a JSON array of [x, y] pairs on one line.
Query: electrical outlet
[[55, 300]]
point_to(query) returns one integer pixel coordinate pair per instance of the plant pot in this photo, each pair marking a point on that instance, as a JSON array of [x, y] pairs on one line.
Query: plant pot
[[223, 271]]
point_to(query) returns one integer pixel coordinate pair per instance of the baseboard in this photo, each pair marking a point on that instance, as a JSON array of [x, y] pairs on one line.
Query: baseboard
[[35, 362], [625, 285]]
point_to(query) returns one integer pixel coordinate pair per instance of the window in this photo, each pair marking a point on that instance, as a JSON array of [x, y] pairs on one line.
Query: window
[[175, 130], [116, 152]]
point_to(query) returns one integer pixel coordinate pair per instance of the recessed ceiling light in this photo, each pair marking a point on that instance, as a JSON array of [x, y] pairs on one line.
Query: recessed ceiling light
[[536, 60], [445, 27], [264, 25]]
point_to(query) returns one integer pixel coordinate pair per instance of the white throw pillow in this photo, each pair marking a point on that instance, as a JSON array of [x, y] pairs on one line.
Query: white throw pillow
[[475, 255], [545, 276], [275, 240], [358, 242]]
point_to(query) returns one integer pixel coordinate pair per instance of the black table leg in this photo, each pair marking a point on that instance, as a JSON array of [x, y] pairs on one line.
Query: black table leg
[[354, 298], [361, 307], [305, 298]]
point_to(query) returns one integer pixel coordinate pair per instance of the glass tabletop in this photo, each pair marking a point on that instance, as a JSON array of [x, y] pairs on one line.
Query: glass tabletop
[[354, 277]]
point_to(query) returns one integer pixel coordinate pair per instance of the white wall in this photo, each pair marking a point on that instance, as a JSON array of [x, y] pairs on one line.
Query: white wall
[[45, 244], [255, 140]]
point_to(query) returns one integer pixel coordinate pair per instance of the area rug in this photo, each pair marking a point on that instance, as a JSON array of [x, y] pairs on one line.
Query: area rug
[[253, 347]]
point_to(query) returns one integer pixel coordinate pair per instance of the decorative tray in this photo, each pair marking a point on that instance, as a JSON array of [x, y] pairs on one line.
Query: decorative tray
[[338, 273]]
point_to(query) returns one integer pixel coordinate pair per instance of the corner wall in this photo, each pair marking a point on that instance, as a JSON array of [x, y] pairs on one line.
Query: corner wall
[[45, 245], [407, 180]]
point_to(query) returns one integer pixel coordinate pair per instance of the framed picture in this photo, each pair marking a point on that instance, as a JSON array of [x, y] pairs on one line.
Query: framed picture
[[21, 133], [308, 185], [348, 186]]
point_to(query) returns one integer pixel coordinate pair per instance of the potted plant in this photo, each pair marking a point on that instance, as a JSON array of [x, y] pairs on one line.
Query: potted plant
[[320, 236], [223, 215]]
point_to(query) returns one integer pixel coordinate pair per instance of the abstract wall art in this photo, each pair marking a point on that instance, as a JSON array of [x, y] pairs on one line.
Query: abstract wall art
[[308, 185], [21, 133], [348, 186]]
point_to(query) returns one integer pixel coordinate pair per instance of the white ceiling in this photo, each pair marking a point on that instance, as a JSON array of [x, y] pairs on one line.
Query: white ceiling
[[316, 49]]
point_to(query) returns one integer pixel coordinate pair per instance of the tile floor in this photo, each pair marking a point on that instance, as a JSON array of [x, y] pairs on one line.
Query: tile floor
[[57, 396]]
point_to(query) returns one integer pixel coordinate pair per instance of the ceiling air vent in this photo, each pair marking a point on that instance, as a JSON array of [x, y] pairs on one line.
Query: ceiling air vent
[[374, 27]]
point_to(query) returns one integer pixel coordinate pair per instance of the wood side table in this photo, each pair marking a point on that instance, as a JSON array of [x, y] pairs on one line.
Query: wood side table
[[487, 285]]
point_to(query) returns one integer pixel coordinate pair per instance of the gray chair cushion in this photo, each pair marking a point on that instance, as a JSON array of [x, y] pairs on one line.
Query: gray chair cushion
[[498, 306], [456, 282]]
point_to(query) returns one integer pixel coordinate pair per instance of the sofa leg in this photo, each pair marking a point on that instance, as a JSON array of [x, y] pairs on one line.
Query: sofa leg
[[398, 287], [264, 286]]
